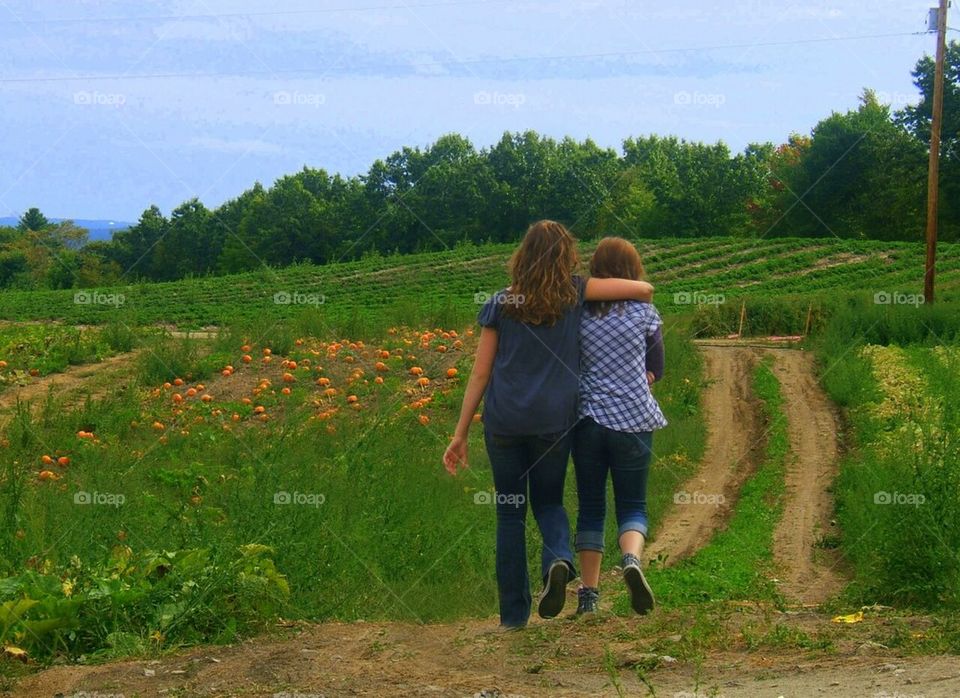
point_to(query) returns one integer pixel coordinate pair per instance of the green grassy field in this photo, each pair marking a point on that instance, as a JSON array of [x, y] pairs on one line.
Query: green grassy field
[[290, 464], [410, 289]]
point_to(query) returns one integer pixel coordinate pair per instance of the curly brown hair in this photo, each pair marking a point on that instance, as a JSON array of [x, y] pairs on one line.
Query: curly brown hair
[[542, 272], [614, 258]]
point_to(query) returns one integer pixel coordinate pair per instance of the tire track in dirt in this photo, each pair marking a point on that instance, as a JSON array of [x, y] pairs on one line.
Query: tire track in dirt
[[810, 471], [735, 444], [470, 658], [733, 449], [74, 380]]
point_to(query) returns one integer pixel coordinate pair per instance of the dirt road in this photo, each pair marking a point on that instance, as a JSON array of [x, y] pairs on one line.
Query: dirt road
[[734, 445], [735, 442]]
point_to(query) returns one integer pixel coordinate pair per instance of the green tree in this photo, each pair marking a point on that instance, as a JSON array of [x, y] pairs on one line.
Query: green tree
[[861, 176], [917, 120], [33, 220]]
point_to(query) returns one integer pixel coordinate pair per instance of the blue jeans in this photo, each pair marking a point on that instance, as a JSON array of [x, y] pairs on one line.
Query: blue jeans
[[626, 456], [534, 467]]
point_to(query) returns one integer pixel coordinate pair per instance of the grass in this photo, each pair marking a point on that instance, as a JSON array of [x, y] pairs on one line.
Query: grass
[[901, 465], [202, 550], [193, 484], [40, 350]]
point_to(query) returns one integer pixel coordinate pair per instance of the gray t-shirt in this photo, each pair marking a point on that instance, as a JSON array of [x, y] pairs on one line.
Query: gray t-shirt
[[536, 373]]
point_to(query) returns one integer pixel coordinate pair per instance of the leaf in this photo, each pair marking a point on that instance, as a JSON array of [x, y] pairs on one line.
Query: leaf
[[15, 652], [38, 628], [13, 611], [850, 618]]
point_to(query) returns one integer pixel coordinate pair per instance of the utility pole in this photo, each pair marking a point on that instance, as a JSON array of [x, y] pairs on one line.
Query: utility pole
[[933, 173]]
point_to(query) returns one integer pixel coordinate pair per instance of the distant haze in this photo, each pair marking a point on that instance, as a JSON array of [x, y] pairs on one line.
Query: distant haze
[[99, 229]]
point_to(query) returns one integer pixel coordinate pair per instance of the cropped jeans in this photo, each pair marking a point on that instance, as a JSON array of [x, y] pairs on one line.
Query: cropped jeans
[[597, 451], [533, 467]]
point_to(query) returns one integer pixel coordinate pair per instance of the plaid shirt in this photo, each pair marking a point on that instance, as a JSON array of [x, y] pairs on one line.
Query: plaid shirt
[[613, 375]]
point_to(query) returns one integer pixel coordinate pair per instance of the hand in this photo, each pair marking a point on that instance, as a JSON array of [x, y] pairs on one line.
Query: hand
[[456, 454], [650, 378]]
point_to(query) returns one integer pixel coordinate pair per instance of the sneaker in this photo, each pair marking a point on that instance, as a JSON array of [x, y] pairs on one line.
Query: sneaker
[[641, 596], [588, 600], [554, 593]]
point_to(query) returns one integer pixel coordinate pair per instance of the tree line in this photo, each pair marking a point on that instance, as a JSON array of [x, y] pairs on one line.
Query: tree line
[[858, 174]]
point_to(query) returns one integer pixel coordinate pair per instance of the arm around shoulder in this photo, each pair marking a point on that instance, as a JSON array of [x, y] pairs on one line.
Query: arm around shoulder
[[618, 290]]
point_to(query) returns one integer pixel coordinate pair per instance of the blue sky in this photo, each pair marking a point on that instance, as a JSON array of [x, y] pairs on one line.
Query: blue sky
[[170, 100]]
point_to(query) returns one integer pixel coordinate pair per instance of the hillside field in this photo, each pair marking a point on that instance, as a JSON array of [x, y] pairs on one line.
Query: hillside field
[[448, 285]]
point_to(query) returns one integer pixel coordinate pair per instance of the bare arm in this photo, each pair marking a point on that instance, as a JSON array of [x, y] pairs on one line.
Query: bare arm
[[618, 290], [456, 453]]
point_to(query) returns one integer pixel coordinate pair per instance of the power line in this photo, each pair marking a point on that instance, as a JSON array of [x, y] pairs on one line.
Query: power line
[[259, 13], [473, 61]]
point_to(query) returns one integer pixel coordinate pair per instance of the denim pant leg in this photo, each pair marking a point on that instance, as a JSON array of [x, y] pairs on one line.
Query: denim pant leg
[[590, 463], [508, 460], [630, 468], [549, 457]]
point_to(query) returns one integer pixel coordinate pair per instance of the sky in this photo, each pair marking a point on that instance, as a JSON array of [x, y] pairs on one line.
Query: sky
[[110, 106]]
